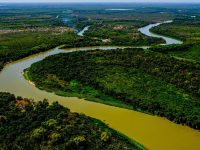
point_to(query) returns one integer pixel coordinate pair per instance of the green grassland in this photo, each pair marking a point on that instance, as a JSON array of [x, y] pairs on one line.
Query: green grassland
[[28, 125], [121, 78], [190, 52]]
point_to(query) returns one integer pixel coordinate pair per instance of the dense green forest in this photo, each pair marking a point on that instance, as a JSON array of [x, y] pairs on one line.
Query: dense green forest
[[19, 45], [28, 125], [161, 80], [121, 33], [142, 80], [28, 29]]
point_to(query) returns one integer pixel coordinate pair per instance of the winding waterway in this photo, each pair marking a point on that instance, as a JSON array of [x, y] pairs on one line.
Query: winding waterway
[[153, 132], [168, 40], [81, 33]]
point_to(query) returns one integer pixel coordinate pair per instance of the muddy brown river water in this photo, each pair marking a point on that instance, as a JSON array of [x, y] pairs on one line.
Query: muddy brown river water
[[155, 133]]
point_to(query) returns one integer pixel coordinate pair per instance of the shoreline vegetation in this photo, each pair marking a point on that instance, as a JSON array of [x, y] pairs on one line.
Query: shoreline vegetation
[[110, 100], [168, 36], [101, 76], [54, 126], [161, 80]]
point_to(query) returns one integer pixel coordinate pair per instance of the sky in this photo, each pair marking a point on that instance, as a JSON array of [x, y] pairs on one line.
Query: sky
[[44, 1]]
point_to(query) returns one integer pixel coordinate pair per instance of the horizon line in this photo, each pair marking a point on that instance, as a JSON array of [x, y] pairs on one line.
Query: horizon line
[[100, 2]]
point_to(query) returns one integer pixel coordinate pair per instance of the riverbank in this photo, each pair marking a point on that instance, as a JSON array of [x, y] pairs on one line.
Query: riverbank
[[104, 99], [151, 131], [149, 31], [120, 77], [136, 125], [54, 126]]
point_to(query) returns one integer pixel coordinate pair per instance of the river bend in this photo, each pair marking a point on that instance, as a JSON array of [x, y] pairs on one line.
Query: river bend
[[153, 132]]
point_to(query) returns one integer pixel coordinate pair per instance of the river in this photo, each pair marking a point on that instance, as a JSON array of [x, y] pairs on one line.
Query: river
[[155, 133], [168, 40], [81, 33]]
